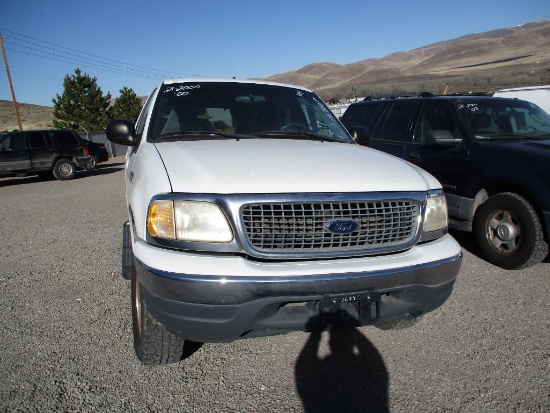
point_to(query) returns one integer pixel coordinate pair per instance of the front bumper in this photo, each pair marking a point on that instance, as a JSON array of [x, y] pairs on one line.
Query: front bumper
[[220, 308]]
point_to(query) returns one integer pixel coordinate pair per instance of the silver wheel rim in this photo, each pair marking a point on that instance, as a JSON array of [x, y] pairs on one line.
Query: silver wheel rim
[[503, 231], [65, 169]]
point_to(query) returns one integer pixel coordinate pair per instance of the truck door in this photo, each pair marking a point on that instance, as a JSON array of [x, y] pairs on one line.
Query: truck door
[[41, 150], [393, 127], [437, 146], [13, 154]]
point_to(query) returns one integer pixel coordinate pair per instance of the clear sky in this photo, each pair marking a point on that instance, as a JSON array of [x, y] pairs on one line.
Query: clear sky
[[135, 43]]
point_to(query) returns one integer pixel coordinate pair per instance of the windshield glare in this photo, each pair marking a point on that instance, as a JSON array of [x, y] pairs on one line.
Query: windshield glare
[[493, 119], [242, 109]]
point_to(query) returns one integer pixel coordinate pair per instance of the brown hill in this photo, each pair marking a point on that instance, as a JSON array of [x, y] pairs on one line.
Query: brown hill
[[32, 116], [487, 61]]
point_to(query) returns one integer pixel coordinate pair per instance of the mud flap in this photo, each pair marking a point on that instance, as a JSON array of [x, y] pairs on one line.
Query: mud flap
[[127, 254]]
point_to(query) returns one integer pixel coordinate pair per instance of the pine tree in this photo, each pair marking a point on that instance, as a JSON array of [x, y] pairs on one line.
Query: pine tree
[[82, 105], [127, 105]]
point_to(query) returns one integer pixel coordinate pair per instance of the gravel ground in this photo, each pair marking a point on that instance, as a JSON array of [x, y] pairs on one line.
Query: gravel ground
[[66, 339]]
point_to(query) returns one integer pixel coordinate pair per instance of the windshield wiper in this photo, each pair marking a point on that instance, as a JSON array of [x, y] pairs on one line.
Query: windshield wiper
[[201, 135], [197, 135], [293, 134]]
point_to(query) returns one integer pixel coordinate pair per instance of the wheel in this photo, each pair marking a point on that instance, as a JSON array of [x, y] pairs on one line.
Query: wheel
[[399, 324], [153, 343], [92, 164], [509, 233], [64, 169], [297, 127]]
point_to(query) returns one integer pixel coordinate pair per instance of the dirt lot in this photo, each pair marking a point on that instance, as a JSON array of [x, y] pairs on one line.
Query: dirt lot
[[67, 342]]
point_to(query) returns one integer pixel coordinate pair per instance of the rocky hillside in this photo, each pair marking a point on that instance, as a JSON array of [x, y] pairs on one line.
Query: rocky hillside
[[487, 61], [32, 116]]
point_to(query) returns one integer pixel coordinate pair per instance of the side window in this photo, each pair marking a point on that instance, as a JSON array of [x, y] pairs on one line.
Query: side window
[[49, 140], [395, 122], [140, 124], [436, 124], [66, 138], [359, 115], [36, 140], [15, 142]]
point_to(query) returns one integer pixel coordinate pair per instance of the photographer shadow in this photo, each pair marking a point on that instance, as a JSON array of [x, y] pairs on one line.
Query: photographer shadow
[[352, 378]]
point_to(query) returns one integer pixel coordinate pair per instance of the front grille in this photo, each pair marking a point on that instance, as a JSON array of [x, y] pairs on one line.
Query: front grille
[[302, 227]]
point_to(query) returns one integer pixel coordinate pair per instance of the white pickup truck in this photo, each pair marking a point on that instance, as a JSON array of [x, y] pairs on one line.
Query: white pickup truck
[[253, 212], [539, 95]]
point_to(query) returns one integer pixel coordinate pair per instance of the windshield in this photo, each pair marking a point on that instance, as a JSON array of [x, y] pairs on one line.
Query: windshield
[[493, 119], [241, 110]]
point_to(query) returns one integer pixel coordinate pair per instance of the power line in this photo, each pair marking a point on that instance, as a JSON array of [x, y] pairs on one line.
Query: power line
[[22, 37], [64, 54], [61, 59], [76, 59]]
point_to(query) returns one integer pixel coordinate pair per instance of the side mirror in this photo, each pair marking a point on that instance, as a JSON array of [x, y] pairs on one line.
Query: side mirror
[[445, 138], [122, 132], [360, 134]]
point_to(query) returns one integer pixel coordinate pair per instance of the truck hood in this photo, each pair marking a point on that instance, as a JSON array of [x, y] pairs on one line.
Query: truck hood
[[285, 166], [528, 145]]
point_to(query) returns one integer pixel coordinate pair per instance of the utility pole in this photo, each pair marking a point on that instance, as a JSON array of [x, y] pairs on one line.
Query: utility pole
[[11, 85]]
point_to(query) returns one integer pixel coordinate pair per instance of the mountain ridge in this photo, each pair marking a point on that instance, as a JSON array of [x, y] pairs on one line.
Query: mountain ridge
[[506, 57]]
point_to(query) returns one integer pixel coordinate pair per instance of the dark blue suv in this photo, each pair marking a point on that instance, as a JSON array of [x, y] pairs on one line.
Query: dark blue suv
[[492, 156]]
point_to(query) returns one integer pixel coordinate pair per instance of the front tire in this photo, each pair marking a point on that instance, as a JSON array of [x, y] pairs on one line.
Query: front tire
[[153, 343], [509, 233], [64, 169]]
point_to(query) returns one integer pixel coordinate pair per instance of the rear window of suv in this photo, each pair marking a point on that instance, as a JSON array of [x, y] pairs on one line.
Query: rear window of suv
[[359, 115], [66, 138]]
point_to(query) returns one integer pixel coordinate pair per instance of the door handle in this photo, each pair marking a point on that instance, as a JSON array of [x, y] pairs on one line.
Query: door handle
[[414, 156]]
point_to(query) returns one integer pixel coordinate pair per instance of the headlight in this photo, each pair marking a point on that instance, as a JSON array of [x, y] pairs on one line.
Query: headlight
[[435, 216], [201, 221], [188, 221]]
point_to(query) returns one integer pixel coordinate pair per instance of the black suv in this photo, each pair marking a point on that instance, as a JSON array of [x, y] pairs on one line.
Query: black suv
[[492, 156], [42, 152]]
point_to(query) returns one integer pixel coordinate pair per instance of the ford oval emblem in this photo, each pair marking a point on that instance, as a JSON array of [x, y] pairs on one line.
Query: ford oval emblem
[[342, 226]]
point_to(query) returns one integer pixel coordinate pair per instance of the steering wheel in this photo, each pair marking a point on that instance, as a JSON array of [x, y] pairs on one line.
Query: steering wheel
[[298, 127], [527, 129]]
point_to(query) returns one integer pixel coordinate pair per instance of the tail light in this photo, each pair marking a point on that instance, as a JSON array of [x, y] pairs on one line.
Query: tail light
[[85, 150]]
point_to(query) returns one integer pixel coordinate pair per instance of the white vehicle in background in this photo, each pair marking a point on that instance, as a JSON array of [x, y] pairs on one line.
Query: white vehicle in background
[[539, 95], [252, 212]]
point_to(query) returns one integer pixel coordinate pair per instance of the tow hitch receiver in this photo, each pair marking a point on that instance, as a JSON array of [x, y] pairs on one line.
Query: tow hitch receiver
[[355, 309]]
